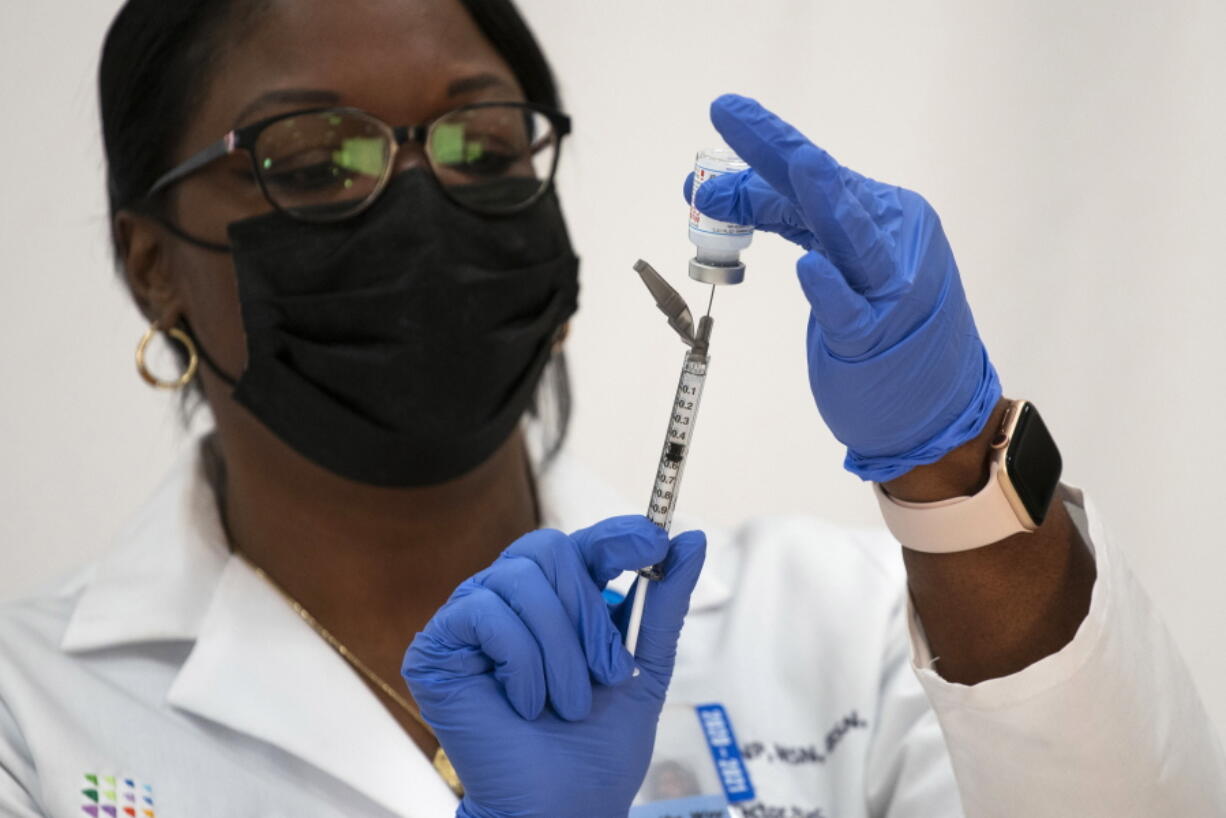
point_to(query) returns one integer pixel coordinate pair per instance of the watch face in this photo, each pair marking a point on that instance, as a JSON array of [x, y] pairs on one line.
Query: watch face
[[1033, 463]]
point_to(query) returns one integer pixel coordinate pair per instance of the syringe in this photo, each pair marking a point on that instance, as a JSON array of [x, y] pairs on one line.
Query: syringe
[[681, 422]]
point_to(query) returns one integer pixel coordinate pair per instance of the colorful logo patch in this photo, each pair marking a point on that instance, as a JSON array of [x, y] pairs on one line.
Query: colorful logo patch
[[116, 796]]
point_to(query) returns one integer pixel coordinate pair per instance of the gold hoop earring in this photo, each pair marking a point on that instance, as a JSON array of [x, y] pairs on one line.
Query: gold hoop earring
[[193, 362]]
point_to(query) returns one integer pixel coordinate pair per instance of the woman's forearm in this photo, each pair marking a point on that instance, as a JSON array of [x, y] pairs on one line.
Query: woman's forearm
[[995, 610]]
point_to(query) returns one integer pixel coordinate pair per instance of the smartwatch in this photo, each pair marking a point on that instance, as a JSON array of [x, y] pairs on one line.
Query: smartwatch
[[1023, 473]]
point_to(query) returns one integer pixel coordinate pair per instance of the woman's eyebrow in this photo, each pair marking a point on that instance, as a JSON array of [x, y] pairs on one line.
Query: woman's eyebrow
[[309, 96], [477, 82], [320, 96]]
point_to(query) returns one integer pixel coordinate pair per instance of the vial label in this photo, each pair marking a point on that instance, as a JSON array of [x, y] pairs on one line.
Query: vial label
[[703, 223]]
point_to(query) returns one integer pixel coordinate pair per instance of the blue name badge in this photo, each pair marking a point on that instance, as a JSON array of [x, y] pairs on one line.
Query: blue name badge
[[717, 728]]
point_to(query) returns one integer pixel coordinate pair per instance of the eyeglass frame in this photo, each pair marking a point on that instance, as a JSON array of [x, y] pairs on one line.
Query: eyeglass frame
[[245, 139]]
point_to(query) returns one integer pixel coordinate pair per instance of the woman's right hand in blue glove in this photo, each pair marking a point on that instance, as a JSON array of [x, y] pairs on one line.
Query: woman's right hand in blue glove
[[523, 676]]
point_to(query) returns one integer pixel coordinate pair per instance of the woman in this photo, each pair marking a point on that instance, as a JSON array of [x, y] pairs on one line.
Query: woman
[[367, 305]]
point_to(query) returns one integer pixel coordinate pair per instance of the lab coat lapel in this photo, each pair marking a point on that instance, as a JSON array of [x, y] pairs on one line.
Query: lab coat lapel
[[157, 582], [259, 669]]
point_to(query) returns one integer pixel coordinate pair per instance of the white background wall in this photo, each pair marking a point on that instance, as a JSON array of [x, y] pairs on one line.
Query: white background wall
[[1076, 152]]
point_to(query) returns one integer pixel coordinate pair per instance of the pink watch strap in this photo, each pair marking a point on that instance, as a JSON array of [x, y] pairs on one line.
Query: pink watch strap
[[956, 524]]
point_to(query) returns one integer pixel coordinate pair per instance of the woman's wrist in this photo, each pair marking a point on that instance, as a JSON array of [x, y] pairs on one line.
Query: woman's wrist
[[961, 473]]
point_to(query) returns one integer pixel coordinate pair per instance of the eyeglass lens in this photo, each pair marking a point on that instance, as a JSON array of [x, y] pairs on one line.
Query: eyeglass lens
[[493, 158], [329, 165], [323, 165]]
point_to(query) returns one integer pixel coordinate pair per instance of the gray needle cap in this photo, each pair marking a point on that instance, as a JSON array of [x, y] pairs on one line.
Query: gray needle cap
[[668, 300]]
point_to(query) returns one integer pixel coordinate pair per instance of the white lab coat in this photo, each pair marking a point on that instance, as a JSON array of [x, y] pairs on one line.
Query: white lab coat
[[161, 672]]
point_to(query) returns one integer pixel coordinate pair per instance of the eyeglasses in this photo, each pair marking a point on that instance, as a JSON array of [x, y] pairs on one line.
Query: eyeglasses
[[329, 164]]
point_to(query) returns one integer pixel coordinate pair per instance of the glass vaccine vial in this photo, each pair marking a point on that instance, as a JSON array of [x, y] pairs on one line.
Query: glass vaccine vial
[[719, 244]]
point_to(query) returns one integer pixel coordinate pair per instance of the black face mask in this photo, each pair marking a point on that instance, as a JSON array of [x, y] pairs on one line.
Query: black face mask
[[401, 348]]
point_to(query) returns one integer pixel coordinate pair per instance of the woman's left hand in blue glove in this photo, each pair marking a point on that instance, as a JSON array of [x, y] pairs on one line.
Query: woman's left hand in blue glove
[[895, 361], [524, 679]]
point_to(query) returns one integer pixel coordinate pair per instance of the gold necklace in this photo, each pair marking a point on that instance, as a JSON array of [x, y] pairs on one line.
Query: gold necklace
[[442, 764]]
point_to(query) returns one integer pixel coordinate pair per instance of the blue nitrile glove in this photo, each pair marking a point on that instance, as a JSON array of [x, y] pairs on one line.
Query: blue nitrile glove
[[895, 362], [524, 679]]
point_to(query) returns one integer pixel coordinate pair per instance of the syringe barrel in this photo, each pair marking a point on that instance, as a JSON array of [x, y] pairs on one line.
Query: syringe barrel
[[677, 442]]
